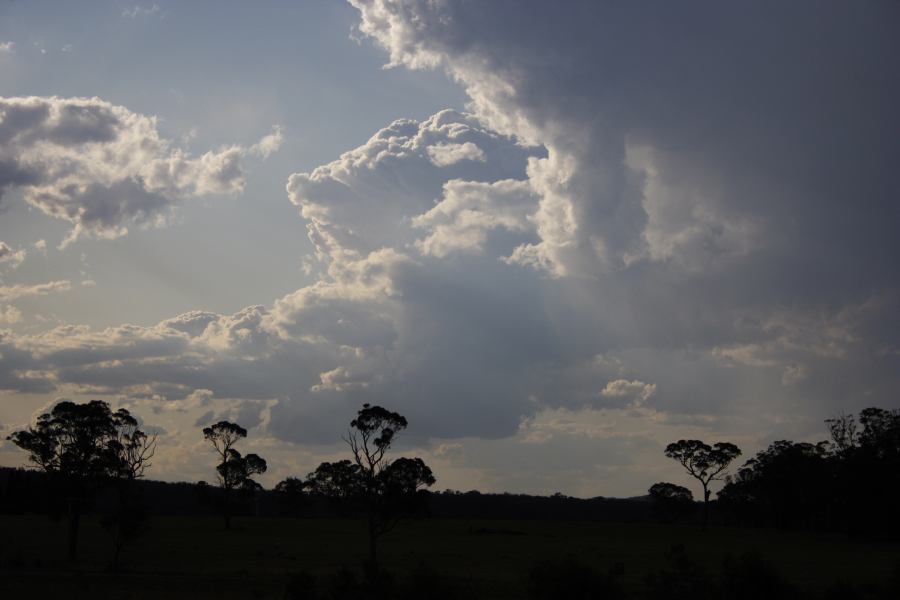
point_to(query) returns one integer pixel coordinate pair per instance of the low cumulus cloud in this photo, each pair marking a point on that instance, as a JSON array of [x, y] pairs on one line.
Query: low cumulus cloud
[[103, 167]]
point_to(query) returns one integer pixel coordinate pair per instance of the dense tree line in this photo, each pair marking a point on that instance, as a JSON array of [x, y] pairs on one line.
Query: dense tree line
[[848, 483]]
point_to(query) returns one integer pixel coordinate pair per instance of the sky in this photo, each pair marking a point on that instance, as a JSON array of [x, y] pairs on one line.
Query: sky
[[555, 236]]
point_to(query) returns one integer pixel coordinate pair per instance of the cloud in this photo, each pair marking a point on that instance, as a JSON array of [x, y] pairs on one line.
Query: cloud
[[679, 199], [14, 292], [425, 312], [469, 211], [677, 151], [268, 144], [444, 155], [7, 47], [634, 392], [353, 205], [690, 179], [12, 258], [104, 168], [10, 315], [137, 11]]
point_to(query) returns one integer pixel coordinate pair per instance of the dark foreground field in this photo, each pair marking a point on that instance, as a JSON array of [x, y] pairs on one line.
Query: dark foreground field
[[193, 557]]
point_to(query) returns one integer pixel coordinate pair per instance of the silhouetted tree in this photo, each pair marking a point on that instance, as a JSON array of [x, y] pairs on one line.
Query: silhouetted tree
[[234, 471], [292, 494], [843, 433], [84, 445], [129, 457], [704, 463], [869, 475], [786, 485], [387, 490], [671, 501], [849, 483], [340, 480], [880, 431]]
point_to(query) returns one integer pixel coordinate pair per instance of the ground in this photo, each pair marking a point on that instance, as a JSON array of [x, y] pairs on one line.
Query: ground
[[194, 557]]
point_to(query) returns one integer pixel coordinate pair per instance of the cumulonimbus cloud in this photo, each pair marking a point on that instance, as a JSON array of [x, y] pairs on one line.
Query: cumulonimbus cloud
[[103, 167]]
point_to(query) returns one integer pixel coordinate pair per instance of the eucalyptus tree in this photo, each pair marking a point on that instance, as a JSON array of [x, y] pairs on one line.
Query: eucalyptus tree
[[234, 471], [388, 490], [704, 463], [130, 455], [82, 447]]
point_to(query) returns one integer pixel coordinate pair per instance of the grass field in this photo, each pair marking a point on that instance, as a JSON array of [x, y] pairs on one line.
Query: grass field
[[195, 558]]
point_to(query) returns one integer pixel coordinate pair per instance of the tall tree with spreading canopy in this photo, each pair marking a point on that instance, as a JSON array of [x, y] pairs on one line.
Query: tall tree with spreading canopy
[[130, 455], [234, 471], [704, 463], [389, 490], [82, 446]]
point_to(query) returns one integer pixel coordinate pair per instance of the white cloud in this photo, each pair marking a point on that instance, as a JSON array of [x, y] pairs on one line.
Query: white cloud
[[444, 155], [7, 47], [102, 167], [14, 292], [634, 391], [9, 257], [364, 201], [268, 144], [138, 11], [470, 210], [10, 315]]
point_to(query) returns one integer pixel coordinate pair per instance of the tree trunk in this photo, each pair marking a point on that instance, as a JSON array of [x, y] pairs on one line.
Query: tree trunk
[[226, 508], [373, 546], [705, 508]]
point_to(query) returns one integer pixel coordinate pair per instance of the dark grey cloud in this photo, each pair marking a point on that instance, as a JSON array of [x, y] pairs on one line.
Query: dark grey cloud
[[724, 174]]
